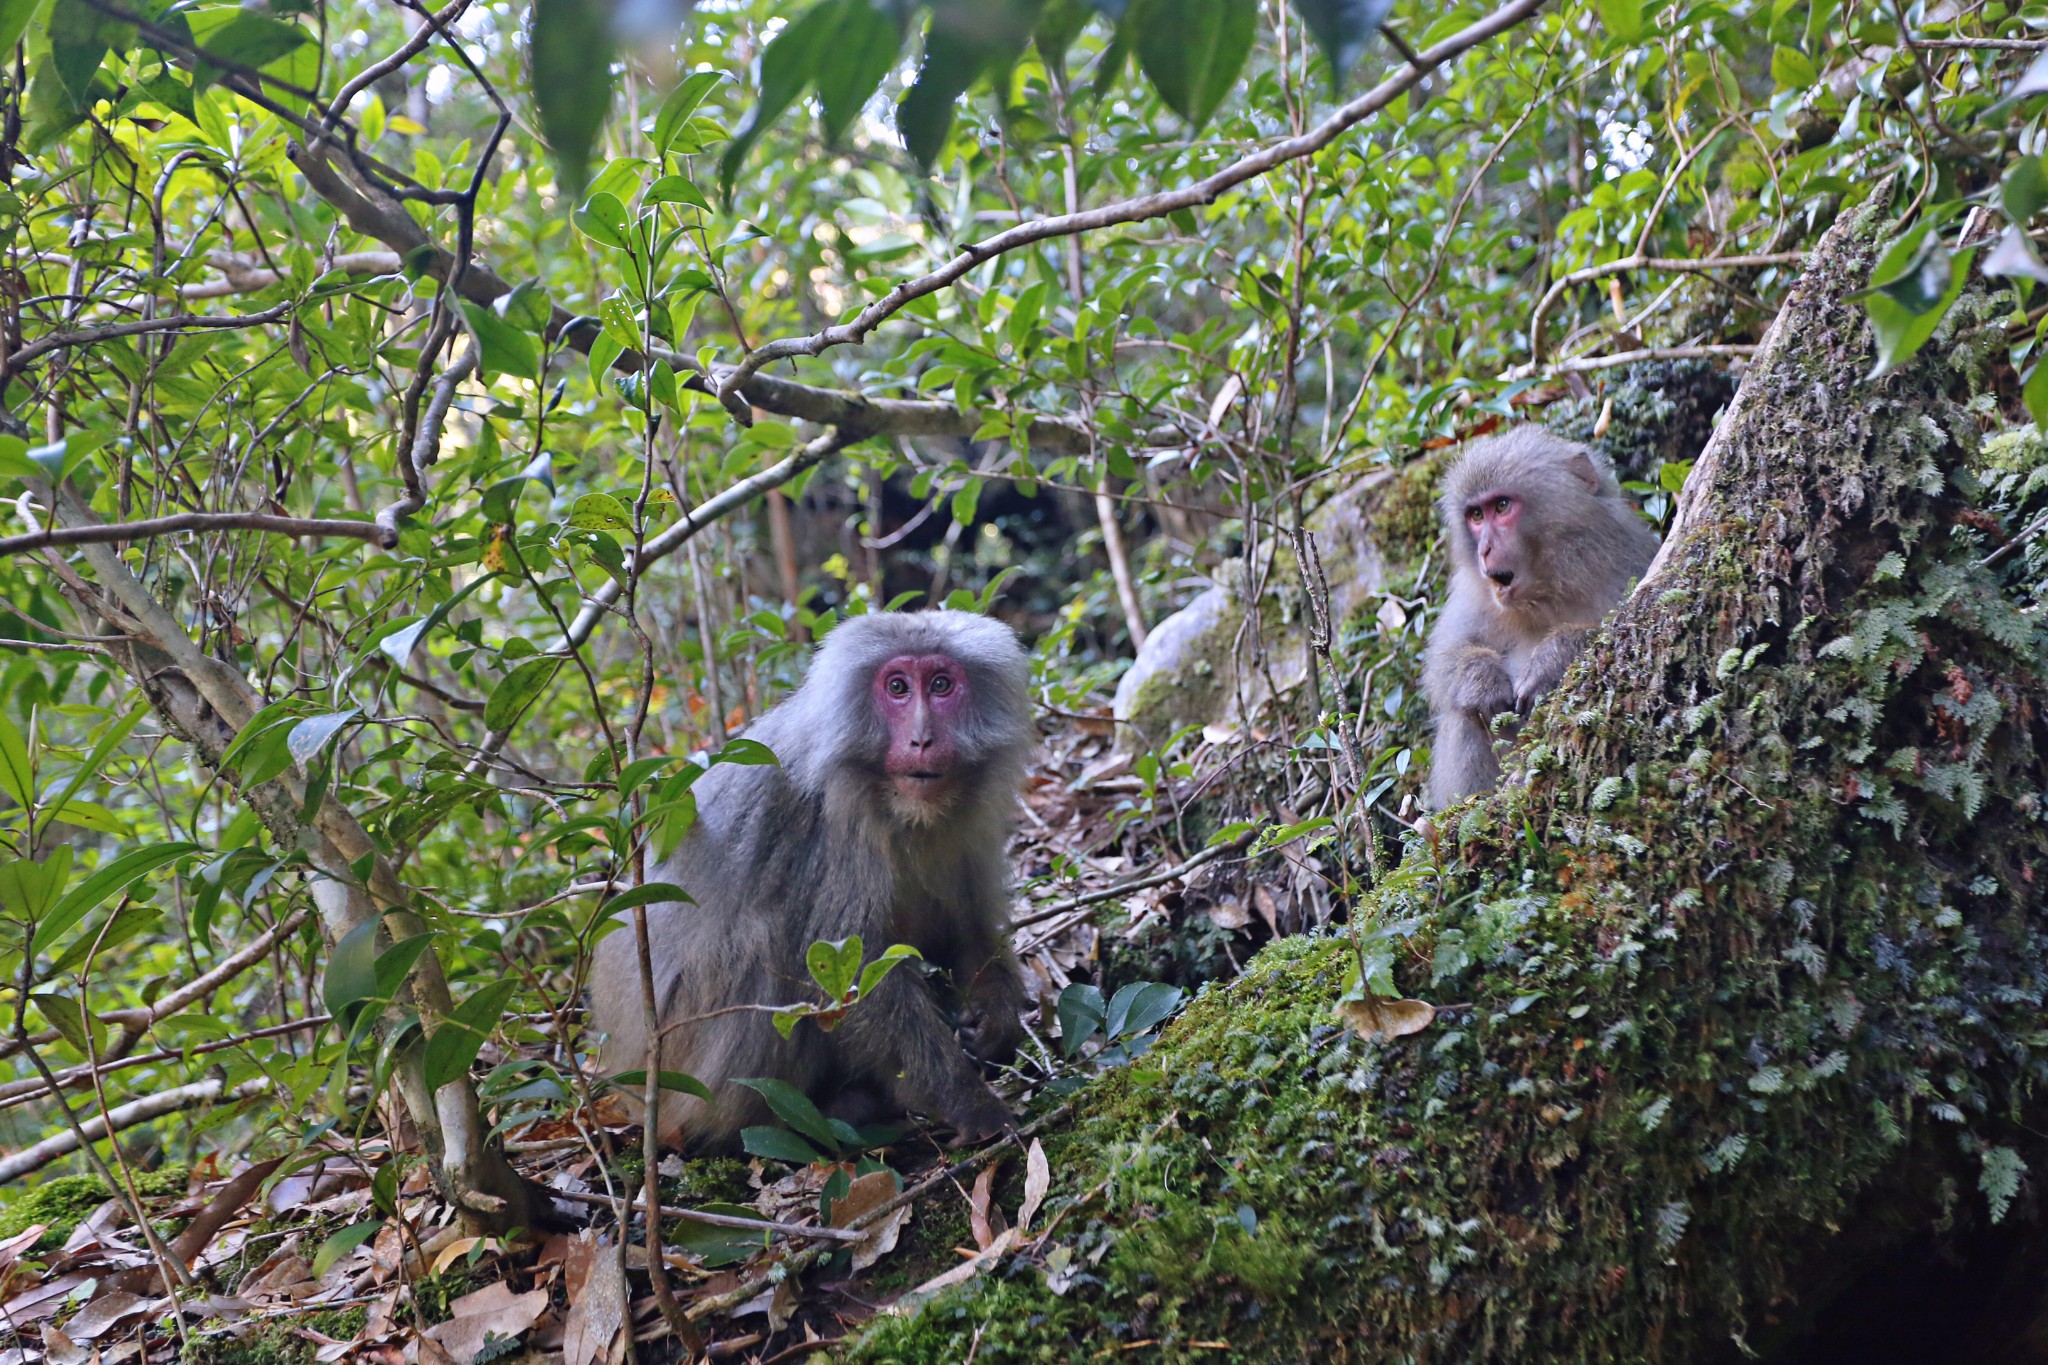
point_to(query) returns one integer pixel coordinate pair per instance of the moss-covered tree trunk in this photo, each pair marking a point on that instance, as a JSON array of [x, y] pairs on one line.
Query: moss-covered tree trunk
[[1749, 958]]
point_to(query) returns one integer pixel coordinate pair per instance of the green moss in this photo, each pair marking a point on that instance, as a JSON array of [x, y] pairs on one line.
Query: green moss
[[276, 1342], [66, 1201], [1751, 939]]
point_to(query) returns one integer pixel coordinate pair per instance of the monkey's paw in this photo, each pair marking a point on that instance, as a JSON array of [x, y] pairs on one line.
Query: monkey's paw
[[979, 1119], [1485, 689], [992, 1036]]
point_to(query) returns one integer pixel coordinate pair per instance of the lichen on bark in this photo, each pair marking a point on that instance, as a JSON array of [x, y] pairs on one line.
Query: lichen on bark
[[1750, 949]]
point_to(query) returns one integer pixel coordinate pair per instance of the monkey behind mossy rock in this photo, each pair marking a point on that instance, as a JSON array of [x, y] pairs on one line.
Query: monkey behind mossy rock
[[1543, 544], [901, 757]]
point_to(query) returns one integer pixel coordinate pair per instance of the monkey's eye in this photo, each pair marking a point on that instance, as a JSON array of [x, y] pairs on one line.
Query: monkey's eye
[[1502, 505], [898, 685], [1474, 515], [941, 685]]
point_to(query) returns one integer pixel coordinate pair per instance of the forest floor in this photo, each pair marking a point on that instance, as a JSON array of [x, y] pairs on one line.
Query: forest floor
[[328, 1262]]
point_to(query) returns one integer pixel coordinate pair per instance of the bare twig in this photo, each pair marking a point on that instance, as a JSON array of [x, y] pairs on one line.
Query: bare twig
[[177, 322], [107, 533], [1642, 262], [123, 1117]]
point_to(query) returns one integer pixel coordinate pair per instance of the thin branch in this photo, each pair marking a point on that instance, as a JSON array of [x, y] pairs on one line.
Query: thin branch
[[429, 29], [177, 322], [125, 1116], [722, 1220], [1642, 262], [1124, 888], [111, 532], [17, 1093], [240, 276], [1621, 358], [1138, 209]]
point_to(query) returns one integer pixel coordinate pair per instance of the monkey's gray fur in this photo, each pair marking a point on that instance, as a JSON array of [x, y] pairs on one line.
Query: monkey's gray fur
[[821, 847], [1581, 544]]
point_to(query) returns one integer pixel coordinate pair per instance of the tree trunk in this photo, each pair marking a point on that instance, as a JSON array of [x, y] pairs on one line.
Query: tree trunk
[[1741, 976]]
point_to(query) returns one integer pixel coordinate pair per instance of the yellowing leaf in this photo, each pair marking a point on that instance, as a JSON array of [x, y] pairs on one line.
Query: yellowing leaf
[[1378, 1018]]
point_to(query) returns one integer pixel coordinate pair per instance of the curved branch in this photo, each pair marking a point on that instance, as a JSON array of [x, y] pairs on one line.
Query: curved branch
[[179, 322], [126, 1116], [1137, 209], [1642, 262]]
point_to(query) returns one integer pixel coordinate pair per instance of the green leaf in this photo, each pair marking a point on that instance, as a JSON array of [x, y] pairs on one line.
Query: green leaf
[[720, 1246], [677, 189], [2024, 190], [875, 972], [680, 104], [311, 735], [395, 963], [600, 512], [517, 690], [342, 1243], [748, 752], [633, 1081], [527, 307], [924, 116], [1342, 28], [571, 65], [251, 39], [794, 1108], [77, 47], [862, 48], [1192, 50], [603, 220], [2035, 394], [1901, 331], [115, 876], [351, 976], [1080, 1012], [1138, 1008], [461, 1036], [2000, 1179], [499, 498], [29, 890], [501, 347], [15, 17], [834, 965], [788, 66], [66, 1015], [779, 1145], [17, 778], [399, 645], [130, 920], [647, 893], [1791, 69]]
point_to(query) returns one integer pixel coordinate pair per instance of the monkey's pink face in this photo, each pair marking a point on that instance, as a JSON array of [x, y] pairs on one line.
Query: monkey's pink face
[[1491, 518], [922, 698]]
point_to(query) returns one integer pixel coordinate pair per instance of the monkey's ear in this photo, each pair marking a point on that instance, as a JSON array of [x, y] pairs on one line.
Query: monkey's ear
[[1584, 470]]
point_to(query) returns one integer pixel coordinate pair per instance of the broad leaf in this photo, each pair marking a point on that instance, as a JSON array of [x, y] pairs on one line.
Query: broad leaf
[[794, 1108], [104, 882], [1192, 50], [570, 48], [454, 1045], [1342, 28]]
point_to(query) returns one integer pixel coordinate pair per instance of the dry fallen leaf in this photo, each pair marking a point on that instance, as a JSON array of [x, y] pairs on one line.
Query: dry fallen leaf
[[978, 1207], [1378, 1018], [870, 1192], [597, 1316], [493, 1311], [1037, 1180]]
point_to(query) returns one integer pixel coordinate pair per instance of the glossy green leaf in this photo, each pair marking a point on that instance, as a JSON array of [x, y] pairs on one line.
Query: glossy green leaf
[[502, 347], [454, 1045], [794, 1108], [648, 893], [862, 48], [570, 58], [778, 1144], [681, 103], [104, 882], [789, 64], [518, 690], [600, 512], [1342, 28], [835, 966], [1193, 50]]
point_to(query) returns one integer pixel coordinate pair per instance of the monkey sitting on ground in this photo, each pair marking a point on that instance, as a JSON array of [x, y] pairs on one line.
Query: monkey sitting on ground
[[1543, 544], [901, 758]]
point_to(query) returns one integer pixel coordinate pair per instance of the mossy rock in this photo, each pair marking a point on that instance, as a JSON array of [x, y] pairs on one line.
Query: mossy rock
[[65, 1202]]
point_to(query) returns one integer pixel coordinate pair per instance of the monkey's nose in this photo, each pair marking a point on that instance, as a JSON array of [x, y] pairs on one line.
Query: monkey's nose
[[1504, 577]]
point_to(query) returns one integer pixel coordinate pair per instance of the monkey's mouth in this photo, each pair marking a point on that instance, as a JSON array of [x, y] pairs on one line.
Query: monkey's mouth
[[922, 783]]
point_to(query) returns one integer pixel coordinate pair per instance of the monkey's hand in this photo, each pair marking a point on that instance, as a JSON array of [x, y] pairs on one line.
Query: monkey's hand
[[1479, 683], [991, 1028], [1546, 664], [978, 1116]]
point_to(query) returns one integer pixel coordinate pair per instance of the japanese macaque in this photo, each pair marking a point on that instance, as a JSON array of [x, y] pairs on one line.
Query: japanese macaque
[[1543, 543], [901, 760]]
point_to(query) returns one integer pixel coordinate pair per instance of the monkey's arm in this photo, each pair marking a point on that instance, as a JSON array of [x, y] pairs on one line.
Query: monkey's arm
[[990, 988], [900, 1037], [1470, 678], [1547, 663]]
